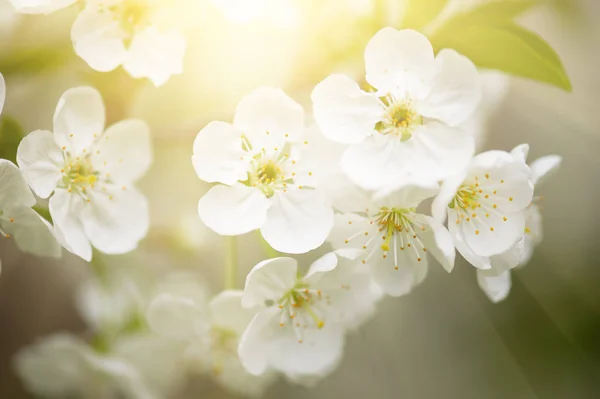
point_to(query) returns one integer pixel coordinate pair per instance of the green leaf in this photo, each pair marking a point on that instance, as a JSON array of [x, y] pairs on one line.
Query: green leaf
[[421, 12], [11, 134], [489, 37]]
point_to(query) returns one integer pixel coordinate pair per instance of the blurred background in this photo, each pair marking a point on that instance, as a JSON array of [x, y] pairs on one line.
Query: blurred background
[[446, 339]]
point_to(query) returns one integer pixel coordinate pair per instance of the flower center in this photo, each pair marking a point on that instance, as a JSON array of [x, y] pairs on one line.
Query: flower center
[[224, 344], [79, 175], [467, 197], [131, 15], [400, 119], [391, 221]]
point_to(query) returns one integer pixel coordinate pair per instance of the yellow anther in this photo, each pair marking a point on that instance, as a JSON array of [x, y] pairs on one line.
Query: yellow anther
[[476, 232], [491, 229], [396, 267], [504, 218], [12, 220], [418, 259], [510, 198]]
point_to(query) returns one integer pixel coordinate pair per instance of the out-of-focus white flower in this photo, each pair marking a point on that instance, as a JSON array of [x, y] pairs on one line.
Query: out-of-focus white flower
[[394, 239], [142, 35], [496, 282], [302, 322], [90, 174], [210, 334], [486, 205], [40, 6], [407, 130], [17, 220], [265, 184], [62, 366]]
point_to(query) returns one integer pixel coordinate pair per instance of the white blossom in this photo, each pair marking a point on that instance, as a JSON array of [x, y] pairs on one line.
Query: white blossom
[[40, 6], [264, 183], [394, 238], [88, 173], [406, 130], [303, 319], [485, 205], [496, 282], [17, 220], [142, 35], [211, 335], [62, 366]]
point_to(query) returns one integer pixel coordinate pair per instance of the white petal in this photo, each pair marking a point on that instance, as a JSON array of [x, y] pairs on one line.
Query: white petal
[[40, 6], [545, 167], [406, 196], [124, 151], [14, 190], [269, 280], [401, 281], [266, 115], [495, 287], [448, 189], [116, 219], [507, 260], [520, 152], [344, 112], [2, 92], [65, 209], [324, 264], [438, 241], [78, 117], [98, 39], [156, 55], [441, 150], [298, 221], [218, 154], [456, 89], [233, 210], [176, 317], [226, 311], [346, 226], [253, 348], [480, 262], [400, 62], [31, 233], [40, 160], [496, 234]]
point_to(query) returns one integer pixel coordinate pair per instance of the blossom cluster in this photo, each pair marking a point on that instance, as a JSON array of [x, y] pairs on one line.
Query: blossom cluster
[[385, 175]]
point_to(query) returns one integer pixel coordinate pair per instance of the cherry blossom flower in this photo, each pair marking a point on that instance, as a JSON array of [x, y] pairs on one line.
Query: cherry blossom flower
[[496, 282], [394, 239], [300, 327], [17, 220], [211, 335], [406, 130], [485, 205], [264, 183], [142, 35], [88, 173]]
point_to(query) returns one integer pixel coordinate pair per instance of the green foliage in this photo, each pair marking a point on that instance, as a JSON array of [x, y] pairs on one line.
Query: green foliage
[[11, 134], [491, 39], [421, 12]]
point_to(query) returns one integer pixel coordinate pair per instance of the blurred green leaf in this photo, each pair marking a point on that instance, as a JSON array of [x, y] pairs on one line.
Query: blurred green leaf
[[420, 12], [489, 37], [11, 134], [28, 61]]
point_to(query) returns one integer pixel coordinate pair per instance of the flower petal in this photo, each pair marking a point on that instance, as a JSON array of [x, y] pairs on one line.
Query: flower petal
[[98, 39], [176, 317], [116, 219], [124, 151], [266, 115], [520, 152], [406, 196], [401, 281], [226, 311], [255, 343], [156, 55], [344, 112], [233, 210], [65, 209], [495, 287], [346, 226], [324, 264], [478, 261], [78, 119], [448, 189], [31, 233], [269, 280], [400, 62], [508, 259], [299, 221], [545, 167], [40, 6], [438, 241], [41, 161], [218, 154], [14, 190], [456, 90]]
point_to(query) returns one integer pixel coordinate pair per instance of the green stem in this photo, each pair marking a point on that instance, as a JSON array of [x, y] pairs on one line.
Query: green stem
[[231, 260], [267, 249]]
